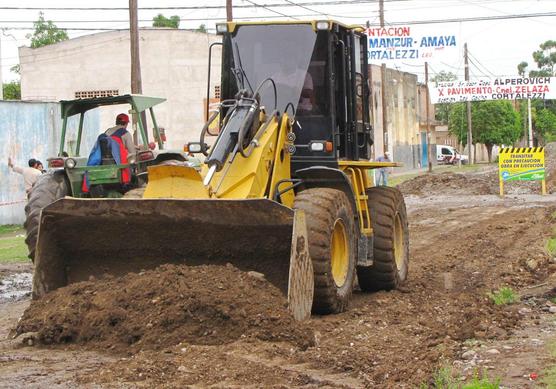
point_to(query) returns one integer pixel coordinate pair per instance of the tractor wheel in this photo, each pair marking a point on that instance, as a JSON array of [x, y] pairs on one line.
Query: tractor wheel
[[390, 242], [48, 188], [332, 246]]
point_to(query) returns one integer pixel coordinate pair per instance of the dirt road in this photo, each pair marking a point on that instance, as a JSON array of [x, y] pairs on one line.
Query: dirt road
[[462, 247]]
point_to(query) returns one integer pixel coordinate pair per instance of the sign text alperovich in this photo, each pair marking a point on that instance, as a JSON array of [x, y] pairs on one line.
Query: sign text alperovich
[[512, 88]]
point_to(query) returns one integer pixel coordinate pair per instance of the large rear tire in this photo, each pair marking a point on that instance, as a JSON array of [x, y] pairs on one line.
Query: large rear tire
[[390, 242], [48, 188], [332, 246]]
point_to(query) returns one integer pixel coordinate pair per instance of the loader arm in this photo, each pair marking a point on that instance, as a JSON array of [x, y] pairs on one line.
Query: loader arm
[[258, 170]]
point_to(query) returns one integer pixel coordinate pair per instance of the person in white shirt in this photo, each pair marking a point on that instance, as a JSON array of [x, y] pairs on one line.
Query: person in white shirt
[[30, 174], [121, 124]]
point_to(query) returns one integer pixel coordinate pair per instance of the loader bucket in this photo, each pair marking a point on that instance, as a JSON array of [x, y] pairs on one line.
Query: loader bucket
[[80, 238]]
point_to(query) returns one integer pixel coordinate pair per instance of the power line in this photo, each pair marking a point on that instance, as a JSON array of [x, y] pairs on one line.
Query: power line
[[479, 62], [251, 5], [198, 7], [271, 10], [479, 69], [302, 6]]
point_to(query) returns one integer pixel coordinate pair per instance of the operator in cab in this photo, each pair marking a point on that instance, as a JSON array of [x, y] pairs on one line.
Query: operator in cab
[[120, 131]]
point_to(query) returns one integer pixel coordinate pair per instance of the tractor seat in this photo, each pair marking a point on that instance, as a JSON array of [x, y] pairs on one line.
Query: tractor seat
[[106, 152]]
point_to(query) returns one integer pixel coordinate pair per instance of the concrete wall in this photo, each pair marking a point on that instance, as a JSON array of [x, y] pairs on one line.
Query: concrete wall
[[173, 63], [31, 130]]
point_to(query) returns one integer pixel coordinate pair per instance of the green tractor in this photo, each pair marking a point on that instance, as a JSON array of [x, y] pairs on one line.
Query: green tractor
[[67, 171]]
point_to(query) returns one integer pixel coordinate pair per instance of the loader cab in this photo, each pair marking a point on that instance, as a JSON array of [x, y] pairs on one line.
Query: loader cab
[[320, 72]]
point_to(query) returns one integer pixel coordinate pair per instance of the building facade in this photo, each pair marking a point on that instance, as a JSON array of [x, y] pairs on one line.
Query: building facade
[[398, 109], [174, 66]]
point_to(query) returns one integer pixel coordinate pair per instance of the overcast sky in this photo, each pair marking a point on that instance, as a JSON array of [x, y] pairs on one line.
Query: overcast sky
[[496, 45]]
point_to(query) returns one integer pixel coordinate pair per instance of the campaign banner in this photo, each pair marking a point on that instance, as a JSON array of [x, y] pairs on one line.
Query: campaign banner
[[406, 43], [521, 164], [511, 88]]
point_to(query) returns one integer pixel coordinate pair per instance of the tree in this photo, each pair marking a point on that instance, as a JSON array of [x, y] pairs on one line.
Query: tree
[[162, 21], [202, 28], [495, 122], [545, 124], [16, 69], [545, 59], [46, 33], [442, 111], [12, 90]]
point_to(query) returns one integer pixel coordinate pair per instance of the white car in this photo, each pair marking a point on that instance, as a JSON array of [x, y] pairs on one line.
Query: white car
[[449, 155]]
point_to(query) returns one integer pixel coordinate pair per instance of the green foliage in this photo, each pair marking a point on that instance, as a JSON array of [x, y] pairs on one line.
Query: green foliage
[[495, 122], [442, 111], [521, 68], [545, 59], [504, 296], [12, 244], [445, 378], [549, 374], [16, 69], [545, 124], [9, 228], [551, 246], [162, 21], [12, 90], [46, 33], [202, 28]]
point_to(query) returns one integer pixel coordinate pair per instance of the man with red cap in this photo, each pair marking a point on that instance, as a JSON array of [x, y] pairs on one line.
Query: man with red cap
[[121, 129]]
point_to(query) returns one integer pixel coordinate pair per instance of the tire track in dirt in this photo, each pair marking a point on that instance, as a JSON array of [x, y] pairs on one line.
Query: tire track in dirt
[[461, 248]]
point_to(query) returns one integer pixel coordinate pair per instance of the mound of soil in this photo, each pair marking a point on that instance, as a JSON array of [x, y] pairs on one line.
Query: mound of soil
[[480, 183], [207, 305], [447, 183]]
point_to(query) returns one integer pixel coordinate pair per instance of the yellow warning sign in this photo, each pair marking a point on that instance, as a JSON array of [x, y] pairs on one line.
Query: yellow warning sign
[[521, 164]]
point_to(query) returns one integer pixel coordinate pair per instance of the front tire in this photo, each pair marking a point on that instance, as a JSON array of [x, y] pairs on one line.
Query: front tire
[[390, 241], [332, 246], [50, 187]]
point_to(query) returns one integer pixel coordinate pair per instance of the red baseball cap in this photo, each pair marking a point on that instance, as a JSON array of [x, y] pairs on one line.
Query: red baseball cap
[[122, 118]]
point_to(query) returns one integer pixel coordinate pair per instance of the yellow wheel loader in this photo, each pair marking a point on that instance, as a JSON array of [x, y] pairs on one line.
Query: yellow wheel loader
[[284, 189]]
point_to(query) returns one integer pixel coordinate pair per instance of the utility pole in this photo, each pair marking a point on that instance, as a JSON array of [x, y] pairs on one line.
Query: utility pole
[[229, 15], [136, 85], [427, 99], [469, 125], [385, 139], [530, 123], [381, 12]]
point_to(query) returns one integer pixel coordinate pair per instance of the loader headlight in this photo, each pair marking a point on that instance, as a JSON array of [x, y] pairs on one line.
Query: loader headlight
[[323, 25], [194, 147], [221, 28], [316, 146], [70, 163]]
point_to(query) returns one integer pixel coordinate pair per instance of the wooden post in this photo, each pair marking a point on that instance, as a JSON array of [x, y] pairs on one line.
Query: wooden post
[[469, 125], [429, 151], [136, 84], [229, 15]]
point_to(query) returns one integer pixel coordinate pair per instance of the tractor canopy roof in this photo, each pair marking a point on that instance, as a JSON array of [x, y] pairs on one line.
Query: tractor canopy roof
[[139, 103]]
